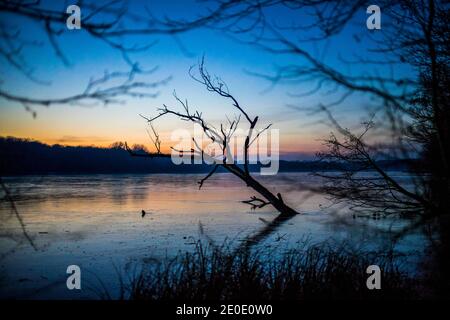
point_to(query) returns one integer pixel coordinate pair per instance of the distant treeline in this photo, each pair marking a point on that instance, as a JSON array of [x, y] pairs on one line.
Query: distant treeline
[[23, 156]]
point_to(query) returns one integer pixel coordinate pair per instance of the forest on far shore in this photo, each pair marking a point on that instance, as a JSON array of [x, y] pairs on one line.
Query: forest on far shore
[[24, 156]]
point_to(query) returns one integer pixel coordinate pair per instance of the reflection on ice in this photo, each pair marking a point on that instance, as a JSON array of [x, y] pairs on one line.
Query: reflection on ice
[[96, 221]]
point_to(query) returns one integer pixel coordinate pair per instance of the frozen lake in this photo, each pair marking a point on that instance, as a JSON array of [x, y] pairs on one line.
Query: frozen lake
[[94, 221]]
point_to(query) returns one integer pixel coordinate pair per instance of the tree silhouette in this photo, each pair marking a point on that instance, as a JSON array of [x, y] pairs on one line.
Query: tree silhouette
[[105, 22], [109, 22], [222, 138], [412, 114], [412, 111]]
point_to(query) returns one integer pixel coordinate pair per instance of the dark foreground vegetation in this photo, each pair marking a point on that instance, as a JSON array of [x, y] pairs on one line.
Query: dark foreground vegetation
[[212, 273]]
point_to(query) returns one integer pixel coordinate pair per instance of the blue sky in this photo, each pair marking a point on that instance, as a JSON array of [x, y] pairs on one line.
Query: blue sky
[[225, 57]]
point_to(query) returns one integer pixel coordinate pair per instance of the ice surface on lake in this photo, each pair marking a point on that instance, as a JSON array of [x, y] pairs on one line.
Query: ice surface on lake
[[94, 221]]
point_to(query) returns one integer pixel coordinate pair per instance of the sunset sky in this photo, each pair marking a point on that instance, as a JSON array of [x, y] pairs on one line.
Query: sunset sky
[[102, 125]]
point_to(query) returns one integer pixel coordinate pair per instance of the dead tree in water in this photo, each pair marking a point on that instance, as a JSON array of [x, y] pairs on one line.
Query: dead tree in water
[[222, 137], [411, 110]]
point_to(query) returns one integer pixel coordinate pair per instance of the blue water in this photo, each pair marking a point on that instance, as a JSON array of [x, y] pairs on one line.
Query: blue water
[[94, 221]]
